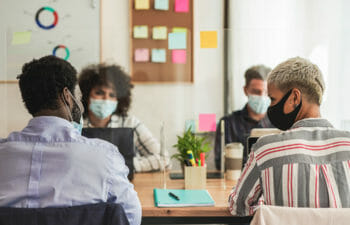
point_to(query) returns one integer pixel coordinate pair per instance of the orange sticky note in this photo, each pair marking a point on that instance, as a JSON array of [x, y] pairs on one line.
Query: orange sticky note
[[207, 122], [209, 39]]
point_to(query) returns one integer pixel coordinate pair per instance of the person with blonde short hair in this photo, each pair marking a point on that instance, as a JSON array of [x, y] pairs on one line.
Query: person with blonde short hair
[[307, 165]]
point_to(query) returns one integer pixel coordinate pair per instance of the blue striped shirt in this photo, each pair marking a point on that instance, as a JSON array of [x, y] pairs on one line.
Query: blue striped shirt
[[49, 163]]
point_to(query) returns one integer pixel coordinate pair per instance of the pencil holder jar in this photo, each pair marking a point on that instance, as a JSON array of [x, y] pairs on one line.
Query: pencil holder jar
[[195, 177]]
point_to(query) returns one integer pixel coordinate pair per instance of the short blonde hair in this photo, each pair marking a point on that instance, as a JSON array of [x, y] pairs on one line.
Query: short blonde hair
[[299, 73]]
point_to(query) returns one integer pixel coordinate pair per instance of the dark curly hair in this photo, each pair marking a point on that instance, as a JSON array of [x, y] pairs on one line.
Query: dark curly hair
[[105, 75], [43, 80]]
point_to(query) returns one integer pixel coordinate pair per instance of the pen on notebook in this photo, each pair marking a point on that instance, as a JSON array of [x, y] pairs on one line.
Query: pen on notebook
[[174, 196]]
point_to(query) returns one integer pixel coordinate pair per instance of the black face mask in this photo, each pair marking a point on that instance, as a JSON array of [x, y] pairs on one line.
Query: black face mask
[[278, 118]]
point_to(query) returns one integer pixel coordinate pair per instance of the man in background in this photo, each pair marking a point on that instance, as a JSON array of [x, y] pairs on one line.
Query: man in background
[[49, 163], [239, 123]]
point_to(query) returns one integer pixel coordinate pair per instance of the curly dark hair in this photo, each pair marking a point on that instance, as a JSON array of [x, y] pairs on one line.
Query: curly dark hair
[[105, 75], [43, 80]]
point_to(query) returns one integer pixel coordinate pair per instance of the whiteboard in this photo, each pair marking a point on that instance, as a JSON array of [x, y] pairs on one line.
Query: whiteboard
[[77, 29]]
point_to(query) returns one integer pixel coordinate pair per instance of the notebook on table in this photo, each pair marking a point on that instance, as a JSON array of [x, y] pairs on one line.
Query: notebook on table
[[186, 198]]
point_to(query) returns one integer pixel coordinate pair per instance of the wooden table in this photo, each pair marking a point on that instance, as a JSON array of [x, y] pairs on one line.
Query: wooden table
[[218, 188]]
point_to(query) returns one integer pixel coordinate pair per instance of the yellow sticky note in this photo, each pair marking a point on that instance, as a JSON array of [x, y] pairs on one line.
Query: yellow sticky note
[[20, 38], [179, 29], [209, 39], [141, 32], [160, 33], [141, 4]]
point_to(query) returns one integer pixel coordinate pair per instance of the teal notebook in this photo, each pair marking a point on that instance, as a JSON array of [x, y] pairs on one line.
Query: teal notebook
[[186, 198]]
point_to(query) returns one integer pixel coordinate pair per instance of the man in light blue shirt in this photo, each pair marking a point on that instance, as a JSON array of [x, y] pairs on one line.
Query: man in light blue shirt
[[49, 163]]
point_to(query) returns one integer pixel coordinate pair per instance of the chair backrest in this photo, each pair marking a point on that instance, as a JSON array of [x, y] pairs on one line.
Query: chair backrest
[[91, 214], [121, 137], [276, 215]]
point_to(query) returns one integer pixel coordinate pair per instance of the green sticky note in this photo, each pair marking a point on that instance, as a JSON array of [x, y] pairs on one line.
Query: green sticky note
[[177, 41], [158, 55], [179, 30], [141, 32], [20, 38], [160, 33], [161, 4]]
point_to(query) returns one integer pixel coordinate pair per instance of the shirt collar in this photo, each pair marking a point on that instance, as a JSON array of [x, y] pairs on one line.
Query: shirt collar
[[43, 121], [312, 122], [245, 114]]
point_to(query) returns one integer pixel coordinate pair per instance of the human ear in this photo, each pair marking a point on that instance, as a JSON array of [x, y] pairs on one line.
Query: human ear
[[66, 97], [245, 89]]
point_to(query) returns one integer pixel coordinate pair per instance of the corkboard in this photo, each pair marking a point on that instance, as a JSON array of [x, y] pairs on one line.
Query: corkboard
[[168, 72]]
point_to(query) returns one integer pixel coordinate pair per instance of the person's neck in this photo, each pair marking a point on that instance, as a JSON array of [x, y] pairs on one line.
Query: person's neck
[[255, 116], [97, 122], [57, 113], [309, 111]]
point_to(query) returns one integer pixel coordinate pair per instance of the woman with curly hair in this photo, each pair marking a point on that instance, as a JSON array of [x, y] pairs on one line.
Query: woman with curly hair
[[106, 91]]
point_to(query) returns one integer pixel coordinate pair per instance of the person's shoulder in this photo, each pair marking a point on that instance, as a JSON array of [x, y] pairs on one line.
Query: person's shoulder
[[100, 144], [131, 121]]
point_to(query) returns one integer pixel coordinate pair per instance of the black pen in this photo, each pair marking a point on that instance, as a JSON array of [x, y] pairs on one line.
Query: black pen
[[174, 196]]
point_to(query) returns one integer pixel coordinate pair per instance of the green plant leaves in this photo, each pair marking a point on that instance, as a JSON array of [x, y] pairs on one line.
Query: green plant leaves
[[190, 142]]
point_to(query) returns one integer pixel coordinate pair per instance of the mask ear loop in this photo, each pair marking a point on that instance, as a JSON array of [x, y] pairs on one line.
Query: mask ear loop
[[66, 106]]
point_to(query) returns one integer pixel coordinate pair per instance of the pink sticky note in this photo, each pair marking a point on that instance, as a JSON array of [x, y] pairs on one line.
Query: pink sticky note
[[181, 5], [179, 56], [207, 122], [141, 55]]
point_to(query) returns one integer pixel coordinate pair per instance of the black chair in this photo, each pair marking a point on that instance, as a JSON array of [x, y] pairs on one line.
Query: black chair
[[91, 214], [122, 137]]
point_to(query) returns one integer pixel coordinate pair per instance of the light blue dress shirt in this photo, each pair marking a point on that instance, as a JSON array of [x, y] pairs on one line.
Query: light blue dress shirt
[[49, 163]]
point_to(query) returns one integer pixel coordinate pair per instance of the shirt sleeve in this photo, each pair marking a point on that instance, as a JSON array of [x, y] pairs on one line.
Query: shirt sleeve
[[148, 156], [245, 196], [122, 191]]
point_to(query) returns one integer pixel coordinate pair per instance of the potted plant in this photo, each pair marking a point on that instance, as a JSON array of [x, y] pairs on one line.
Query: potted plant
[[189, 141]]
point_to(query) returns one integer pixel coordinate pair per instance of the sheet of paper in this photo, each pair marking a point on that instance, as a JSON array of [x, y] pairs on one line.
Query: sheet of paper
[[190, 124], [178, 56], [181, 5], [179, 30], [141, 4], [141, 55], [160, 33], [207, 122], [161, 4], [21, 38], [177, 40], [141, 32], [209, 39], [158, 55]]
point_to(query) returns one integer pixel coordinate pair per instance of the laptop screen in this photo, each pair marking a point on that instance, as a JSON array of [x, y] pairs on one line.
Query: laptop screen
[[123, 138]]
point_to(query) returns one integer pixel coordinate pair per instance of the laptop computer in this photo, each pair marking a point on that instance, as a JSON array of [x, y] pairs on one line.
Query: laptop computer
[[123, 138]]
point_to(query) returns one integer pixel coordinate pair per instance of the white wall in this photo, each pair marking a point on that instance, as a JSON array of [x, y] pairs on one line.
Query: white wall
[[271, 31]]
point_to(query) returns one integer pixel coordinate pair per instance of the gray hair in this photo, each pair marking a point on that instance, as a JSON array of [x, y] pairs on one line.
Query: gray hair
[[259, 72], [299, 73]]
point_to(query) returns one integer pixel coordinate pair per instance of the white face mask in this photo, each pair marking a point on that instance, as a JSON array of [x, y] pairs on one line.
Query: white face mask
[[102, 108], [259, 104]]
